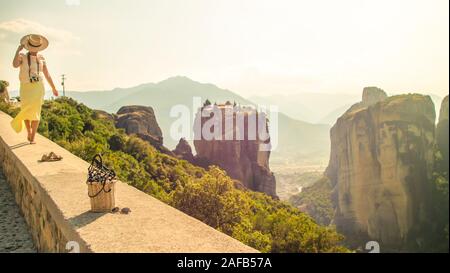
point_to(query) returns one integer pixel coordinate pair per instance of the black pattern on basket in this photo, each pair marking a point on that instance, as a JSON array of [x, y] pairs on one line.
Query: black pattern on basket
[[98, 173]]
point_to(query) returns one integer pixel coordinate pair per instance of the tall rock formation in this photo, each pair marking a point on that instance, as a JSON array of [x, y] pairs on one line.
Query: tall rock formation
[[183, 151], [380, 168], [241, 157], [141, 121]]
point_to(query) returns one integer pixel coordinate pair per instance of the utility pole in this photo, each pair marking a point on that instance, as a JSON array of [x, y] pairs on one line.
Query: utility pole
[[63, 77]]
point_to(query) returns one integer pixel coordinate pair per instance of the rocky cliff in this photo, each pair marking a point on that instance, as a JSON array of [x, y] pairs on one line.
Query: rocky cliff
[[380, 165], [183, 151], [141, 121], [442, 134], [242, 158]]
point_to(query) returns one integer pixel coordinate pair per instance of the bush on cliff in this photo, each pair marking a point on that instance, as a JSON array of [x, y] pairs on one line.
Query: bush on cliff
[[438, 239], [208, 195]]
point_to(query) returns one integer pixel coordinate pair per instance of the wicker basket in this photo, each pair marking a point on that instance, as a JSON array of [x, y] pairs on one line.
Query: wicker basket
[[102, 197], [101, 182]]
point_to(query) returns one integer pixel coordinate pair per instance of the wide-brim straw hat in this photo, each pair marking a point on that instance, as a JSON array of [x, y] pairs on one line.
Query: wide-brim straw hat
[[34, 42]]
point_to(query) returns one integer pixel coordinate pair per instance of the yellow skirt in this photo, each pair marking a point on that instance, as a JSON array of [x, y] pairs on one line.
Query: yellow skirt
[[31, 99]]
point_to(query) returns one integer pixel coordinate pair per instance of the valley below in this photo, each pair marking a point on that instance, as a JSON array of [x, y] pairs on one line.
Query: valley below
[[291, 179]]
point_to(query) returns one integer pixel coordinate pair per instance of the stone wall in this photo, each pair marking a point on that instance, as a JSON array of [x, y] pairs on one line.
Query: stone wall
[[36, 206]]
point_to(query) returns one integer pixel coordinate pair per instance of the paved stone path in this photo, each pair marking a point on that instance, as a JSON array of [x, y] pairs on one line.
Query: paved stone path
[[14, 234]]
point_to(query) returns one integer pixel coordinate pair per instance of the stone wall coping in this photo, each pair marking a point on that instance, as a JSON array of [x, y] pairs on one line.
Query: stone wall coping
[[152, 226]]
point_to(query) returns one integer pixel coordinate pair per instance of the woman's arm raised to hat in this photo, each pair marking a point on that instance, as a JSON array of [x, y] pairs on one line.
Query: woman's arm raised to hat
[[17, 61], [49, 80]]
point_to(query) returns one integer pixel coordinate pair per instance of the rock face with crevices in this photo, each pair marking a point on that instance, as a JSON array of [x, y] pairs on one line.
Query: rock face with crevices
[[380, 168], [244, 158], [442, 133], [141, 121]]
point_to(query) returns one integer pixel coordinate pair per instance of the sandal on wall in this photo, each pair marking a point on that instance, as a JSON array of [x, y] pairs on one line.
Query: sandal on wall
[[50, 157]]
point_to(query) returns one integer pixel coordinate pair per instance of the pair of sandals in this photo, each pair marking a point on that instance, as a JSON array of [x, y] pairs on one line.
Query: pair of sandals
[[50, 157]]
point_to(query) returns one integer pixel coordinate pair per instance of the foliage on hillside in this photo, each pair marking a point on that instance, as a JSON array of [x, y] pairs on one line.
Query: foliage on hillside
[[438, 230], [440, 191], [208, 195], [316, 201]]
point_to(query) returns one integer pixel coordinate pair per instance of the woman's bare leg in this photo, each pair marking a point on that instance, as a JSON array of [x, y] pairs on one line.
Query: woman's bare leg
[[34, 127], [27, 125]]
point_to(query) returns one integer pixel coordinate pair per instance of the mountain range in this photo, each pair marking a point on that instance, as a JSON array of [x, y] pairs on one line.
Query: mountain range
[[297, 140]]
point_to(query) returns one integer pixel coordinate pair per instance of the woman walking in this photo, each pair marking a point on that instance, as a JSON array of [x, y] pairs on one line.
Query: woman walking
[[32, 66]]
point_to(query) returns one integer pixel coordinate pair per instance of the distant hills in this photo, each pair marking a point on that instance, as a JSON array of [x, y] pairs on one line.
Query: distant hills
[[298, 140], [310, 107]]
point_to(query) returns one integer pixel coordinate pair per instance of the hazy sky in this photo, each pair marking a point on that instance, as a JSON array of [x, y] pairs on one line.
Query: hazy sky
[[248, 46]]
